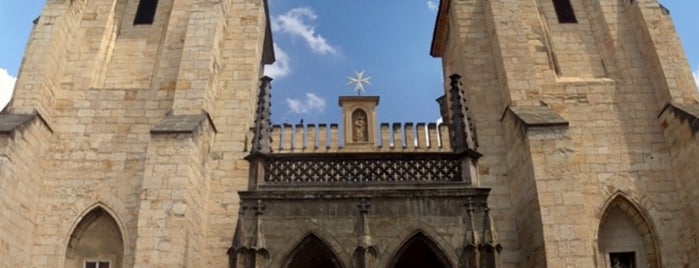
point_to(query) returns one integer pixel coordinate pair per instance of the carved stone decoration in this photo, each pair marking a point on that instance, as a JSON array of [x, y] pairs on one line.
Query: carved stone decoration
[[359, 124], [469, 255], [458, 131], [262, 134], [366, 253], [337, 168], [489, 249], [258, 247], [238, 256], [359, 121], [262, 139], [463, 131]]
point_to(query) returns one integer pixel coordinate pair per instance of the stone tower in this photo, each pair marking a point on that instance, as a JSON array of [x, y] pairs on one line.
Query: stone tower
[[569, 141], [124, 141], [586, 114]]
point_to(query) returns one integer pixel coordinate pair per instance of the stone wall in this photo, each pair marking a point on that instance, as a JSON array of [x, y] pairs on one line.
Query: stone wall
[[24, 142], [515, 57], [680, 127], [103, 84]]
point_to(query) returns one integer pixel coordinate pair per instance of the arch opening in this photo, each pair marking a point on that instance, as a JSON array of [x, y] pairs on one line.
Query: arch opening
[[625, 238], [312, 253], [420, 251], [95, 242]]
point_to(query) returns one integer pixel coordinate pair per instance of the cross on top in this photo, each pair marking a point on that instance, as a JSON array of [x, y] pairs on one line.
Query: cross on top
[[359, 81]]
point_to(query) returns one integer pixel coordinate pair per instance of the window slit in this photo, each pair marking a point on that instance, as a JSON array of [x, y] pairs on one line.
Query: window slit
[[564, 11], [145, 12]]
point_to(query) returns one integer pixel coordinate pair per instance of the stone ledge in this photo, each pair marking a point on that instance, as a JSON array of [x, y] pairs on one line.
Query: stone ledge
[[11, 122], [685, 113], [537, 116], [173, 124], [368, 193]]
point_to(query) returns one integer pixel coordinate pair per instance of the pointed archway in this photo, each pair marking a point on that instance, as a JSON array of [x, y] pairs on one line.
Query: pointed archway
[[625, 237], [420, 251], [312, 253], [96, 242]]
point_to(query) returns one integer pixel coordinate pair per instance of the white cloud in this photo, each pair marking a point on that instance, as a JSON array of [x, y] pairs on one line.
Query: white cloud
[[281, 67], [312, 103], [696, 77], [7, 84], [298, 22], [432, 5]]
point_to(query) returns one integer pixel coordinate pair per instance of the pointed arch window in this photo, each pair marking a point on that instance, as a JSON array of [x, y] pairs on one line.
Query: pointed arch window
[[312, 253], [420, 251], [564, 11], [95, 242], [145, 13], [625, 237]]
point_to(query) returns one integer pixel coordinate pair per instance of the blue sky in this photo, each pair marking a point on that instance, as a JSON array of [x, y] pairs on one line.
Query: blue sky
[[320, 43]]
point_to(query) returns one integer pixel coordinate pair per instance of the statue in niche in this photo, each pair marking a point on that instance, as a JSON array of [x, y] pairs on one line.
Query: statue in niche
[[360, 133]]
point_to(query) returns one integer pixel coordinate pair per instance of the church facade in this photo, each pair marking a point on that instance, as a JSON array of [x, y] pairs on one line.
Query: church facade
[[139, 135]]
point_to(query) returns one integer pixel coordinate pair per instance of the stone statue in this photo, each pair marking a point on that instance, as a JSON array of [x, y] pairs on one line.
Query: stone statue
[[359, 127]]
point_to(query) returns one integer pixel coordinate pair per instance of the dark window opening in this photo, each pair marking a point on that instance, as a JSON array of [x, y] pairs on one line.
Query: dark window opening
[[96, 264], [419, 251], [622, 260], [145, 12], [564, 11], [313, 253]]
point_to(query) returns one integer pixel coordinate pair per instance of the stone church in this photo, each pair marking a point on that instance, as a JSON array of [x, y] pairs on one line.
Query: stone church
[[139, 135]]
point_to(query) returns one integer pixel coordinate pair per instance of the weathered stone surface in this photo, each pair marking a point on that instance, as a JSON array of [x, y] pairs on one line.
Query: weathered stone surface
[[179, 124], [538, 116], [10, 122]]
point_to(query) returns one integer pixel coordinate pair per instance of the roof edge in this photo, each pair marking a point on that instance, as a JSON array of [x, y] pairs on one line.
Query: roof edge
[[441, 29], [268, 56]]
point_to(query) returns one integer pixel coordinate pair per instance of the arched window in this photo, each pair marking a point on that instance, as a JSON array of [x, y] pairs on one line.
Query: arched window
[[420, 251], [312, 253], [625, 238], [95, 242]]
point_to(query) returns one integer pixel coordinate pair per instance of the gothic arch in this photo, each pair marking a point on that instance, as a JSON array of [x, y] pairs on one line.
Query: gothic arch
[[625, 227], [419, 250], [96, 235], [418, 226], [312, 252]]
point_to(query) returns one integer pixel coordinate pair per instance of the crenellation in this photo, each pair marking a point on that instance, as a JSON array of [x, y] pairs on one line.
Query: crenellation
[[421, 140], [299, 138], [410, 139], [311, 142], [323, 137], [286, 141], [385, 136], [397, 136], [433, 136], [312, 138], [277, 136]]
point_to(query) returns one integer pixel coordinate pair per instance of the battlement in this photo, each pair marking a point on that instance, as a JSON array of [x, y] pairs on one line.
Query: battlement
[[391, 137]]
